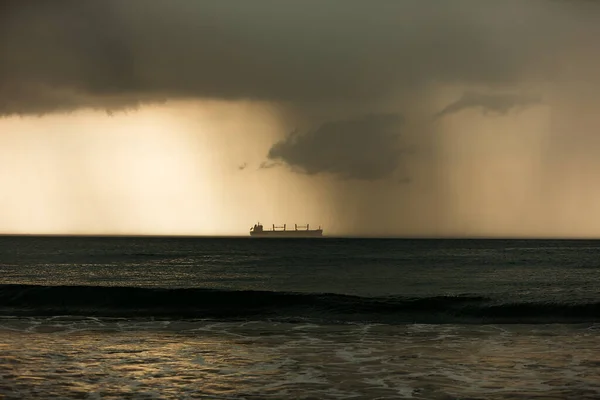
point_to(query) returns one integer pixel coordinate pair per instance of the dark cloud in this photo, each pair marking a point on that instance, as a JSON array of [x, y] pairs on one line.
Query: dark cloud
[[68, 54], [365, 148], [316, 60], [498, 103]]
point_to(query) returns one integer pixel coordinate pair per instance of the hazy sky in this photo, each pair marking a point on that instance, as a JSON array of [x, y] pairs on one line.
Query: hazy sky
[[406, 117]]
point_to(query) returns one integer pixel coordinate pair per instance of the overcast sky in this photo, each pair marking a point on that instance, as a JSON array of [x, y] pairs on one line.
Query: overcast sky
[[414, 117]]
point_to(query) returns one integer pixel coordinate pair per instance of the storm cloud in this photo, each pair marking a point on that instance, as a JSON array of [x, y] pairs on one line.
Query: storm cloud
[[68, 54], [362, 81], [365, 148]]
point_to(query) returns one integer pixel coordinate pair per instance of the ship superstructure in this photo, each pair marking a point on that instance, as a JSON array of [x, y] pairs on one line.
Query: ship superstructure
[[281, 231]]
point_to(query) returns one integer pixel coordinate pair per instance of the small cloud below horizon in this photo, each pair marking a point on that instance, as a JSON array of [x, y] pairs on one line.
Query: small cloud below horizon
[[497, 103], [268, 165]]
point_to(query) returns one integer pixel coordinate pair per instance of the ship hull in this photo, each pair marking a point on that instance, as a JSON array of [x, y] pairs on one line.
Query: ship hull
[[288, 234]]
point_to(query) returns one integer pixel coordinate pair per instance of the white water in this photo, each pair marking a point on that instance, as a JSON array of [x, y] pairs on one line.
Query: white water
[[99, 358]]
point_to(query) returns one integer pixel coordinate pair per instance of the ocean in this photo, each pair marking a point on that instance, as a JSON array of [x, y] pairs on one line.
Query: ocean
[[331, 318]]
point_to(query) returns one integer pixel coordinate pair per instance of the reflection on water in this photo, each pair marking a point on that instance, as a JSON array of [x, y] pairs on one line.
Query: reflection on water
[[93, 358]]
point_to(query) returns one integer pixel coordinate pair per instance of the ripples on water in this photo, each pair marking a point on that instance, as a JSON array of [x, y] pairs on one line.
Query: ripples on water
[[455, 282], [101, 358]]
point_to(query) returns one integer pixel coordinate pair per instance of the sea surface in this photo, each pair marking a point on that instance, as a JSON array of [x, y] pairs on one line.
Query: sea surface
[[242, 318]]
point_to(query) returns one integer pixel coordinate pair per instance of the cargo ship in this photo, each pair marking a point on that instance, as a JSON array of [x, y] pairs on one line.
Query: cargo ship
[[299, 231]]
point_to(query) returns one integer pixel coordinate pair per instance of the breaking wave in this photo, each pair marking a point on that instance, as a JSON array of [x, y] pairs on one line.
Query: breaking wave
[[134, 302]]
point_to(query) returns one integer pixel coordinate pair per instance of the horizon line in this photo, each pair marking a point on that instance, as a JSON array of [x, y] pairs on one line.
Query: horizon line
[[221, 236]]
